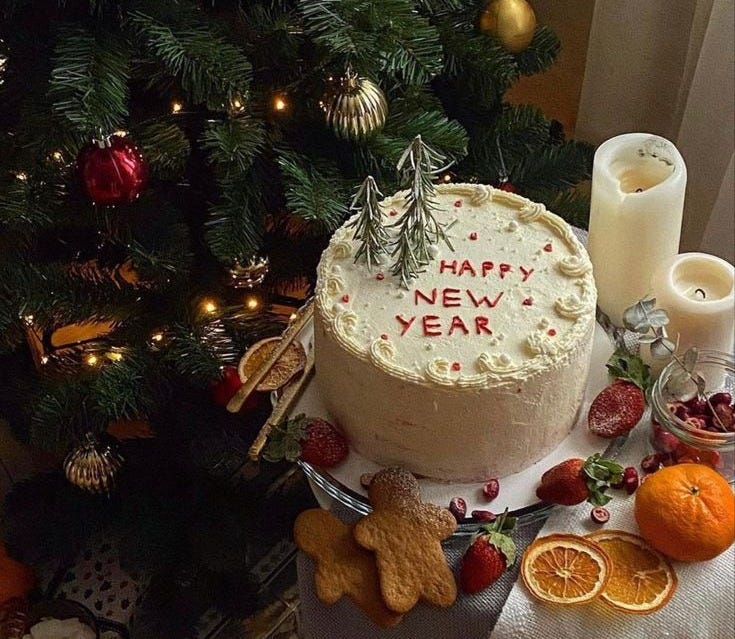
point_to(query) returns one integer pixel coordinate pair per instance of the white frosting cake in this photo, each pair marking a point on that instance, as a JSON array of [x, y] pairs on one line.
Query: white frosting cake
[[478, 369]]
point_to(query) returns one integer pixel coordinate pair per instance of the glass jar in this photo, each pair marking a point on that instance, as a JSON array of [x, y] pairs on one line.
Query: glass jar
[[687, 427]]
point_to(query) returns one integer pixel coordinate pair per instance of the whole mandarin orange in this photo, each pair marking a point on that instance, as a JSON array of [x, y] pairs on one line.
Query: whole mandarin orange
[[687, 512]]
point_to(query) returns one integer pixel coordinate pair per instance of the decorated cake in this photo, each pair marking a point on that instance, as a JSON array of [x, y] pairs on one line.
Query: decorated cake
[[473, 368]]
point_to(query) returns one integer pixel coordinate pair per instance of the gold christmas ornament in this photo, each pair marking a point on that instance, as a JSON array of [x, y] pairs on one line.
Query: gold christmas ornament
[[354, 107], [93, 465], [512, 22], [249, 274]]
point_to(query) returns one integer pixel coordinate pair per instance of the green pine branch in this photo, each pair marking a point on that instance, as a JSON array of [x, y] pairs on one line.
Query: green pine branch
[[553, 169], [210, 70], [89, 82], [312, 192], [540, 54], [235, 226], [234, 143], [165, 147]]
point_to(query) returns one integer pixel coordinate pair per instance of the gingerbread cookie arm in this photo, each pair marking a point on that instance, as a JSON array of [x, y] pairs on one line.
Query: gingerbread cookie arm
[[342, 566]]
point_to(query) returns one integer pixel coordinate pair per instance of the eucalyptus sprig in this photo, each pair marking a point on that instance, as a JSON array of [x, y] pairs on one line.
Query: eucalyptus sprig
[[650, 322]]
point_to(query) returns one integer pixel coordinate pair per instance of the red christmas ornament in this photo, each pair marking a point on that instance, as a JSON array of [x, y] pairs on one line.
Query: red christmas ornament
[[113, 171], [226, 386]]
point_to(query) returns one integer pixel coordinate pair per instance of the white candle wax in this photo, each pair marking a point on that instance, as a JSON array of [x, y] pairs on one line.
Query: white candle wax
[[698, 292], [638, 183]]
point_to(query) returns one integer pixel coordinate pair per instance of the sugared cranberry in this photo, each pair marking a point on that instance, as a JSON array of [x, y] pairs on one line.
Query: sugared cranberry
[[600, 515], [665, 442], [366, 479], [630, 480], [651, 463], [458, 507], [696, 406], [721, 398], [483, 515], [491, 489], [726, 414]]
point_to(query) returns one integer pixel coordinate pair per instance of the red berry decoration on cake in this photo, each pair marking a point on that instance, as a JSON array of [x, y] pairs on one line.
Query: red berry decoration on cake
[[311, 439], [548, 248], [380, 276], [616, 409], [576, 480], [456, 367], [473, 236], [491, 552], [528, 301], [458, 203], [345, 298]]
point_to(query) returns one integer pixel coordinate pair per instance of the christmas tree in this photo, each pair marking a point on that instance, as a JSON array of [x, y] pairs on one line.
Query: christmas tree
[[169, 174]]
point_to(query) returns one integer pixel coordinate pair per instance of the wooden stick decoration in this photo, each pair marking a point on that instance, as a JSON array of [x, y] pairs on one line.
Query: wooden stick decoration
[[283, 407], [238, 399]]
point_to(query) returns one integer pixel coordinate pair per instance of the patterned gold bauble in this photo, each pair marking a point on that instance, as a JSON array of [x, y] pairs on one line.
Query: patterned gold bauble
[[512, 22], [354, 107], [93, 465]]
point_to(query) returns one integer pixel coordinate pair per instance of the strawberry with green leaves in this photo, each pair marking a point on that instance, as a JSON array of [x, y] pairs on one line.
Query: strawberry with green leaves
[[490, 553], [310, 439], [576, 480], [620, 406]]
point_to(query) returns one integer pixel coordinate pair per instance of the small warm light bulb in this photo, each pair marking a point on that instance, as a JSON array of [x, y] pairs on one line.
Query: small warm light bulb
[[28, 319], [157, 337], [446, 177], [176, 107], [92, 360], [21, 176], [279, 104], [209, 306], [44, 359], [115, 357], [121, 133], [57, 155], [293, 316], [252, 303]]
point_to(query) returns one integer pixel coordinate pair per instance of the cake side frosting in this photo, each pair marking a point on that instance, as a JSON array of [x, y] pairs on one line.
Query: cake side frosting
[[513, 297]]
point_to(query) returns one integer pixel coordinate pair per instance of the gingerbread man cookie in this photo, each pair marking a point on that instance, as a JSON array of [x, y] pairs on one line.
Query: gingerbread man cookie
[[405, 534], [342, 566]]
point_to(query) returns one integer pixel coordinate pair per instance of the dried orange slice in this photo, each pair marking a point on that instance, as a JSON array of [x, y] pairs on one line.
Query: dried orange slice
[[565, 569], [289, 364], [642, 579]]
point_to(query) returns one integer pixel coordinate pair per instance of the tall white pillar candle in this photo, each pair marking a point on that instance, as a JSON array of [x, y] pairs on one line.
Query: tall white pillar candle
[[638, 183], [698, 292]]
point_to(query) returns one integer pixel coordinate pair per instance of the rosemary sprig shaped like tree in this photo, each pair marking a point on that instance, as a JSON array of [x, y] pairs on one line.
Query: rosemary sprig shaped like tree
[[369, 228], [418, 228]]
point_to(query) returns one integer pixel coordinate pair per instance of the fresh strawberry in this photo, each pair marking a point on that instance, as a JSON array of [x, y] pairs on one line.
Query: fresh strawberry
[[616, 409], [489, 554], [311, 439], [576, 480], [322, 444]]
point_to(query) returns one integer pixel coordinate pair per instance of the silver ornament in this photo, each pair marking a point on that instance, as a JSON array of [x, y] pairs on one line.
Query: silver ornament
[[354, 107], [93, 465], [249, 274]]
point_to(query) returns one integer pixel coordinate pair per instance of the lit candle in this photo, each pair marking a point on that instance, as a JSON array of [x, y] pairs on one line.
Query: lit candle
[[638, 183], [698, 292]]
